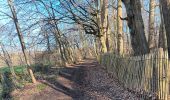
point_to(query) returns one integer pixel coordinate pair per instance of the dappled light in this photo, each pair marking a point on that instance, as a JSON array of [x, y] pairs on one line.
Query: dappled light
[[84, 49]]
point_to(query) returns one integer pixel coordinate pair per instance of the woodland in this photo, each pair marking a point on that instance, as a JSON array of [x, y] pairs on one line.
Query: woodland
[[84, 49]]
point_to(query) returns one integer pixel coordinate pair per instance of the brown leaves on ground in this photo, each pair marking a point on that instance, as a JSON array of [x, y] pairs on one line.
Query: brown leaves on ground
[[83, 81], [99, 86]]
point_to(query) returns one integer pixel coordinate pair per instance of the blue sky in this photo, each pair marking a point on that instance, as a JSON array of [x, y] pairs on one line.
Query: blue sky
[[24, 22]]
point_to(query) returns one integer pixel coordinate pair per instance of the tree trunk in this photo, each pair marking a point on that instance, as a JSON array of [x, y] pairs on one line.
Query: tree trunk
[[151, 40], [104, 35], [108, 39], [115, 35], [136, 26], [8, 62], [162, 37], [21, 39], [165, 4], [48, 41], [103, 44], [119, 28], [58, 36], [106, 24], [58, 40]]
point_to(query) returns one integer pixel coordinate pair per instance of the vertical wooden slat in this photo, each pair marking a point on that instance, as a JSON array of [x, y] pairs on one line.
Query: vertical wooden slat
[[150, 73], [134, 73], [153, 73], [167, 76], [156, 82], [147, 72], [138, 71], [162, 80], [163, 76]]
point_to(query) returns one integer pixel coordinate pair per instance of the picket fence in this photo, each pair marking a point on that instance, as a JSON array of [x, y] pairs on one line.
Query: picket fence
[[145, 75]]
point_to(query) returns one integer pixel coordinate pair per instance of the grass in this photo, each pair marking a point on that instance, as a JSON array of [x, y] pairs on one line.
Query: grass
[[17, 69], [22, 78], [41, 87], [20, 69]]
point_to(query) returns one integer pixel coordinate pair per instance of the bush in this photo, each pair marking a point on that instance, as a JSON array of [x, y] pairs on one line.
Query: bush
[[41, 68]]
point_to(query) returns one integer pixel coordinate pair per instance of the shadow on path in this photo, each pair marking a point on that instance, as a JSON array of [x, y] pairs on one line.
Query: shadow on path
[[69, 79]]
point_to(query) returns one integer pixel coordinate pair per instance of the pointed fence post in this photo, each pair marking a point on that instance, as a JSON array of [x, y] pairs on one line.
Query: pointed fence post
[[162, 75]]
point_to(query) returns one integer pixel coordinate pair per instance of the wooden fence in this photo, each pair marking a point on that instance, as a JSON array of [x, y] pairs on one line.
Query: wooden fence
[[146, 75]]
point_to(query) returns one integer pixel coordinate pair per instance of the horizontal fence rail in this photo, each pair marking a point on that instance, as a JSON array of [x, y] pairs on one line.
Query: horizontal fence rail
[[146, 75]]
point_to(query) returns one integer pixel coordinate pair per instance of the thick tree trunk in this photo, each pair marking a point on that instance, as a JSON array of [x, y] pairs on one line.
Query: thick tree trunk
[[96, 47], [103, 44], [115, 35], [165, 6], [108, 39], [21, 39], [162, 37], [136, 26], [119, 28], [104, 25], [151, 40]]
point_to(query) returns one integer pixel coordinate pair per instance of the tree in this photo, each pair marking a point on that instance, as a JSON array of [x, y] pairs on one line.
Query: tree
[[21, 38], [162, 33], [7, 59], [164, 5], [151, 40], [136, 26], [93, 20], [104, 24], [120, 27]]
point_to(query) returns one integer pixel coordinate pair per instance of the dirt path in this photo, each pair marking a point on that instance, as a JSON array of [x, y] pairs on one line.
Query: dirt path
[[83, 81]]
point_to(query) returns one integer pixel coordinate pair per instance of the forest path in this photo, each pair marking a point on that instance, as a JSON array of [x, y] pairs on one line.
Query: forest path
[[83, 81]]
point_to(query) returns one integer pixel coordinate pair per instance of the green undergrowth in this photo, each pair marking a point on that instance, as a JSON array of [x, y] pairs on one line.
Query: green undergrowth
[[22, 68], [6, 84], [41, 87], [17, 69]]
